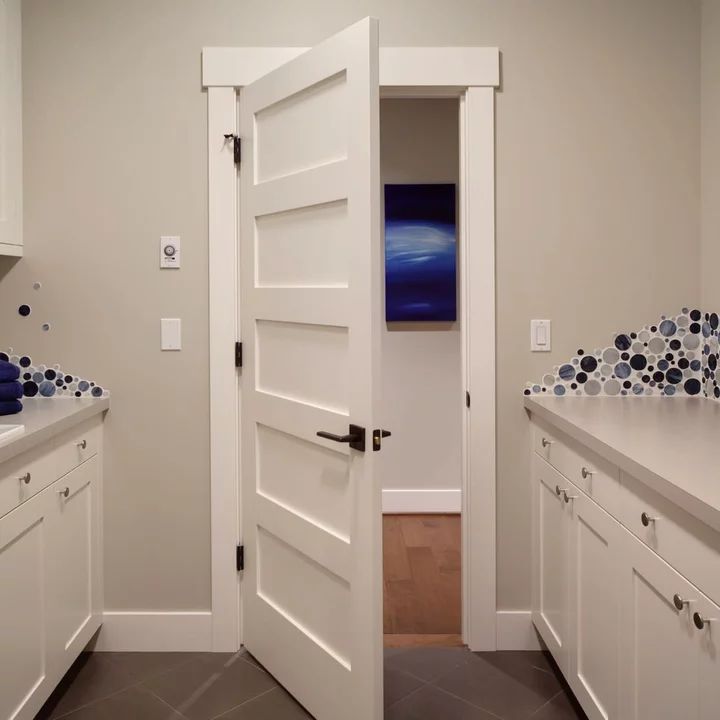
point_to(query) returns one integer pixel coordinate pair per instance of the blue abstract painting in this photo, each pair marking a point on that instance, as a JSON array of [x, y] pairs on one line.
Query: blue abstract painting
[[420, 253]]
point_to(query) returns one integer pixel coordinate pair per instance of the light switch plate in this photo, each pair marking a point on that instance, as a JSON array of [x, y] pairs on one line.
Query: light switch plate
[[170, 334], [540, 335], [169, 251]]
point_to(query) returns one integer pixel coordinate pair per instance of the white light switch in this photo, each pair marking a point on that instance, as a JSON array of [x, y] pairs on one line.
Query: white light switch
[[540, 335], [170, 334]]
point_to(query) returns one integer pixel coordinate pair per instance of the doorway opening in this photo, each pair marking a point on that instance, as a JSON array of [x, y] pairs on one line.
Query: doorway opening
[[422, 372]]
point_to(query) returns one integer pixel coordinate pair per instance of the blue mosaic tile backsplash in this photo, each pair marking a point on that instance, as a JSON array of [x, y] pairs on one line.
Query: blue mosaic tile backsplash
[[676, 356], [51, 382]]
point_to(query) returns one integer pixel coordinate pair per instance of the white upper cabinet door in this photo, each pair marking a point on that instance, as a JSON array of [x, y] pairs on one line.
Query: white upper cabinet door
[[593, 648], [10, 129], [310, 316], [24, 652], [659, 658], [550, 564]]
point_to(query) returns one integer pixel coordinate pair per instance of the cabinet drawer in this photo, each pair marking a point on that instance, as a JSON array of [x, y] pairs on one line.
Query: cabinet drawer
[[76, 446], [687, 544], [592, 474], [24, 476]]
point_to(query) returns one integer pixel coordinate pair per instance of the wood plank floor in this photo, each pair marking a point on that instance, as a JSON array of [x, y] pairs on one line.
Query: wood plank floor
[[421, 580]]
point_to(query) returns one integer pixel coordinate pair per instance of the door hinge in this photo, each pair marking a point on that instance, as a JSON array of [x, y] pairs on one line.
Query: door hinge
[[467, 399], [237, 146], [240, 557], [238, 354]]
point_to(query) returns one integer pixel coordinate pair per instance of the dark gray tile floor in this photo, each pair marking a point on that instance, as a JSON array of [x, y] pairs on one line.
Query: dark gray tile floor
[[420, 684]]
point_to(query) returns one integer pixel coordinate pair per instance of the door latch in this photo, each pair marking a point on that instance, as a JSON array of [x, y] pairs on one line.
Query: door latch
[[378, 435]]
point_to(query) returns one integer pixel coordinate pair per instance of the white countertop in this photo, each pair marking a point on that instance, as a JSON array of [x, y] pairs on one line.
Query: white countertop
[[44, 418], [670, 444]]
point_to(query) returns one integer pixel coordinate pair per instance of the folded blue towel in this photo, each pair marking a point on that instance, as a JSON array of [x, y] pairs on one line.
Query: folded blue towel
[[10, 390], [10, 407], [8, 371]]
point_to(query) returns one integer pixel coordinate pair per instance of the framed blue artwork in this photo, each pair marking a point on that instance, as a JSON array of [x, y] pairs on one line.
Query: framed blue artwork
[[420, 253]]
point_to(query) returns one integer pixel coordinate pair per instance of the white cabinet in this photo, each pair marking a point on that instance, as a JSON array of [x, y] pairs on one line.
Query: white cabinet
[[593, 607], [50, 567], [10, 129], [24, 652], [550, 561], [669, 667], [636, 637]]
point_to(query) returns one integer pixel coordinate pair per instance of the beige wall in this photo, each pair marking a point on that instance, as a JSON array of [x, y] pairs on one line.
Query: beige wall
[[422, 388], [598, 125], [710, 155]]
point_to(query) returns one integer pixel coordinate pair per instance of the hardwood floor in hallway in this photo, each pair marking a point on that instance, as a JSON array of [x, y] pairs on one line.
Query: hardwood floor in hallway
[[422, 582]]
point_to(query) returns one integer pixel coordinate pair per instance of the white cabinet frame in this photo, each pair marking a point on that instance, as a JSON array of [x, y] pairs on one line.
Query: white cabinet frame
[[471, 74]]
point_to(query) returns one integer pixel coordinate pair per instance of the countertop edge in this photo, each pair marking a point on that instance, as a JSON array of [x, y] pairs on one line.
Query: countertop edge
[[28, 441], [699, 509]]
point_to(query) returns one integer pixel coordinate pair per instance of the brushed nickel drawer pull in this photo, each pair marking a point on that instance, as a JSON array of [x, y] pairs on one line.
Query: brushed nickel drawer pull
[[25, 478], [645, 519], [701, 622], [545, 442], [82, 444], [568, 498], [558, 490], [64, 493], [586, 473], [679, 602]]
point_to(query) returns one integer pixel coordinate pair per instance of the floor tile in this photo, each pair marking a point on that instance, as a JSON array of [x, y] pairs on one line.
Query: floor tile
[[144, 665], [93, 676], [562, 707], [275, 704], [508, 688], [428, 663], [209, 686], [133, 703], [398, 684], [429, 703]]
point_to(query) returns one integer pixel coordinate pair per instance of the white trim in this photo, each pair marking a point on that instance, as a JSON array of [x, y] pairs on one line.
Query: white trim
[[227, 68], [421, 501], [399, 66], [155, 632], [515, 631], [477, 236], [11, 249], [224, 405]]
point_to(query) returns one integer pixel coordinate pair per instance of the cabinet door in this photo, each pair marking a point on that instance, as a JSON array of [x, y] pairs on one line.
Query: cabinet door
[[593, 636], [75, 561], [709, 657], [550, 558], [24, 656], [659, 643]]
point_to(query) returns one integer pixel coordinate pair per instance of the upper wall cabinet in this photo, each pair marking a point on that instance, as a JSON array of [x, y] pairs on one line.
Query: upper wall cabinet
[[11, 235]]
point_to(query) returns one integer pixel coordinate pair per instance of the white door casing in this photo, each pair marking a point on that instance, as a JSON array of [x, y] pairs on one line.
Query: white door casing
[[309, 306]]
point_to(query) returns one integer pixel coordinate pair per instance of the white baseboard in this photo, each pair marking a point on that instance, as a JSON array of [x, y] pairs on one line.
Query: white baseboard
[[421, 501], [515, 631], [155, 632]]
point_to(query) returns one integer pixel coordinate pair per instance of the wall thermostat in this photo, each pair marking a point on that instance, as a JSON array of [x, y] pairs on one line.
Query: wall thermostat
[[169, 251]]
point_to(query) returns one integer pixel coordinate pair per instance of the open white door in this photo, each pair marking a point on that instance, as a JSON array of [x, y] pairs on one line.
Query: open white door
[[309, 306]]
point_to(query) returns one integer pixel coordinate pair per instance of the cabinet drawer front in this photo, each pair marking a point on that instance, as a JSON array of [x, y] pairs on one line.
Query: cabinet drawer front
[[24, 476], [76, 446], [690, 546], [592, 474]]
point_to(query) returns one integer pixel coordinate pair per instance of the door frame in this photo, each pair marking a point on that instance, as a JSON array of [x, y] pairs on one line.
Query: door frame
[[470, 74]]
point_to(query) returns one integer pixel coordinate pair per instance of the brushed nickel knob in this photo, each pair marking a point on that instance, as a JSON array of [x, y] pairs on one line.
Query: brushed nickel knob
[[64, 493], [679, 602], [700, 621], [25, 478], [82, 444], [558, 490], [545, 442], [568, 498], [645, 519], [586, 473]]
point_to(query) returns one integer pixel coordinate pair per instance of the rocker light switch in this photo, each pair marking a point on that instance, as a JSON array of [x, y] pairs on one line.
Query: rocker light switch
[[170, 334], [540, 336]]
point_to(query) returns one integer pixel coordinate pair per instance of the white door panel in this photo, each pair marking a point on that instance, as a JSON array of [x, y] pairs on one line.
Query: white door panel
[[310, 269]]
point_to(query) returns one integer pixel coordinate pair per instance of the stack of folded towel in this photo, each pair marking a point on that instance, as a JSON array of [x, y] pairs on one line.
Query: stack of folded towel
[[10, 389]]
